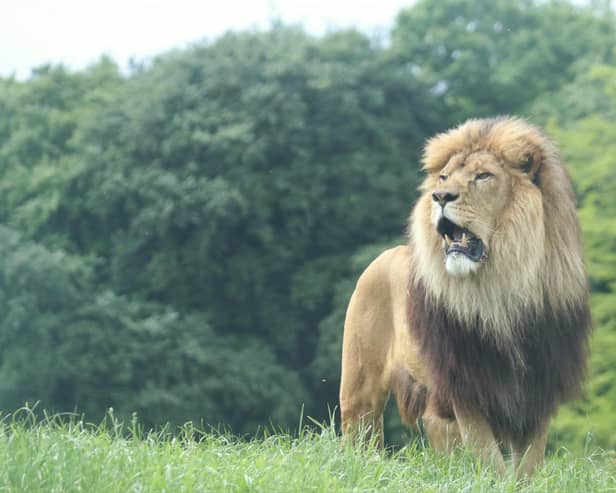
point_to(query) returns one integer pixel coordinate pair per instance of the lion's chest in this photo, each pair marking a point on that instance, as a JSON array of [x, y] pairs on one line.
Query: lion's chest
[[514, 386]]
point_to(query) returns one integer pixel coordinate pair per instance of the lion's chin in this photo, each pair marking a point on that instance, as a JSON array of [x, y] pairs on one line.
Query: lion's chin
[[459, 265]]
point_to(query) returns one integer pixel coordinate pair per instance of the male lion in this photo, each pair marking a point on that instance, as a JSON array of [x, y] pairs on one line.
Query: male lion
[[480, 324]]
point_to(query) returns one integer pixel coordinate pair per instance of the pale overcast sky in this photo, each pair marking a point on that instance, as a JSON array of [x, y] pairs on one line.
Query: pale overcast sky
[[78, 32]]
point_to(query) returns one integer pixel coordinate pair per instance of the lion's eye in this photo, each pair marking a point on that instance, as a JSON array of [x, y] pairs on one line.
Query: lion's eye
[[483, 176], [442, 177]]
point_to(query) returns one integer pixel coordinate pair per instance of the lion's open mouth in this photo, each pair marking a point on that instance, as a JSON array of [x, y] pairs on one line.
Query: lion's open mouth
[[458, 239]]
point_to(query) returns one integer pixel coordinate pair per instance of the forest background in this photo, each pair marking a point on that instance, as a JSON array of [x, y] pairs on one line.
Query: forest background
[[181, 240]]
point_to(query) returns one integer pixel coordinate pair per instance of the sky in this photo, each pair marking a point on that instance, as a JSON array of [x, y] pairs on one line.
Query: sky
[[77, 32]]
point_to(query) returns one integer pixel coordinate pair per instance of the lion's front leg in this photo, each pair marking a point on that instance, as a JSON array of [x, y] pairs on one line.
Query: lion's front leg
[[528, 454], [477, 435], [443, 434], [366, 348], [363, 394], [361, 409]]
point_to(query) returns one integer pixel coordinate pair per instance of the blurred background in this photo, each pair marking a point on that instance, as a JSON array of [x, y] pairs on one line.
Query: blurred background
[[188, 194]]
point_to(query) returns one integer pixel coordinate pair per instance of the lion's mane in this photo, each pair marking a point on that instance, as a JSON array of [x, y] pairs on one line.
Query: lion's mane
[[511, 340]]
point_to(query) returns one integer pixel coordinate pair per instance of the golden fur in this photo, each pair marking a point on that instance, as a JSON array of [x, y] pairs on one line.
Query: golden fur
[[511, 191], [527, 258]]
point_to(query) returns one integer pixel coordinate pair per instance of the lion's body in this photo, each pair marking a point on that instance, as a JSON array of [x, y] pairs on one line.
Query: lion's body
[[483, 350]]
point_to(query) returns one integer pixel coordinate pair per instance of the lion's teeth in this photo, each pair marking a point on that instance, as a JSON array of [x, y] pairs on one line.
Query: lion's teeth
[[448, 240], [464, 240]]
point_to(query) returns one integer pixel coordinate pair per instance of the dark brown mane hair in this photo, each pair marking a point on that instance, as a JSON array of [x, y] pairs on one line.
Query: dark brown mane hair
[[515, 386]]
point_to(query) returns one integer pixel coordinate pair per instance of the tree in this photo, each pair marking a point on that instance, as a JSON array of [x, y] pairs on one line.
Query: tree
[[232, 178], [41, 120], [71, 348], [495, 57], [589, 146]]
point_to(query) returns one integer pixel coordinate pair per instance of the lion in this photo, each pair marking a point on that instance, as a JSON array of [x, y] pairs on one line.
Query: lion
[[479, 324]]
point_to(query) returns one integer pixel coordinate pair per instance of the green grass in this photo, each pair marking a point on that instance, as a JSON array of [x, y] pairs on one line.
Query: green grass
[[59, 455]]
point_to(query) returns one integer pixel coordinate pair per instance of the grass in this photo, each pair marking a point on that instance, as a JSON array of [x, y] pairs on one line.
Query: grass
[[66, 455]]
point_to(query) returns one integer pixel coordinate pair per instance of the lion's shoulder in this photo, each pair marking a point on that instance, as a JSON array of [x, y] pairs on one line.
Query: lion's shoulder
[[380, 292], [389, 269]]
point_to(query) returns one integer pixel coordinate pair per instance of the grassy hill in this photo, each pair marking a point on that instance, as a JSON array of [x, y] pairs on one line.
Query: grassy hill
[[68, 455]]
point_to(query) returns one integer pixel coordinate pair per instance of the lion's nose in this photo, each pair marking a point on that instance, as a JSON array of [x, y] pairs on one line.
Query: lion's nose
[[442, 197]]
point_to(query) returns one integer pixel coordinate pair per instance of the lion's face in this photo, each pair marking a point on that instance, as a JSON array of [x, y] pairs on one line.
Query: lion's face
[[494, 235], [468, 196]]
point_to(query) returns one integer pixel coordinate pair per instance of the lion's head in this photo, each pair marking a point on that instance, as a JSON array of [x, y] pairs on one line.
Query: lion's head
[[495, 233]]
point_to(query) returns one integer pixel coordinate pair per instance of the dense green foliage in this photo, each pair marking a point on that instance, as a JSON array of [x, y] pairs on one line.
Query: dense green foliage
[[71, 456], [181, 241]]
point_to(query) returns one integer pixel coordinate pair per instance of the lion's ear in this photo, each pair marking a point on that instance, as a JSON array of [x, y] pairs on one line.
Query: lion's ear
[[531, 165]]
